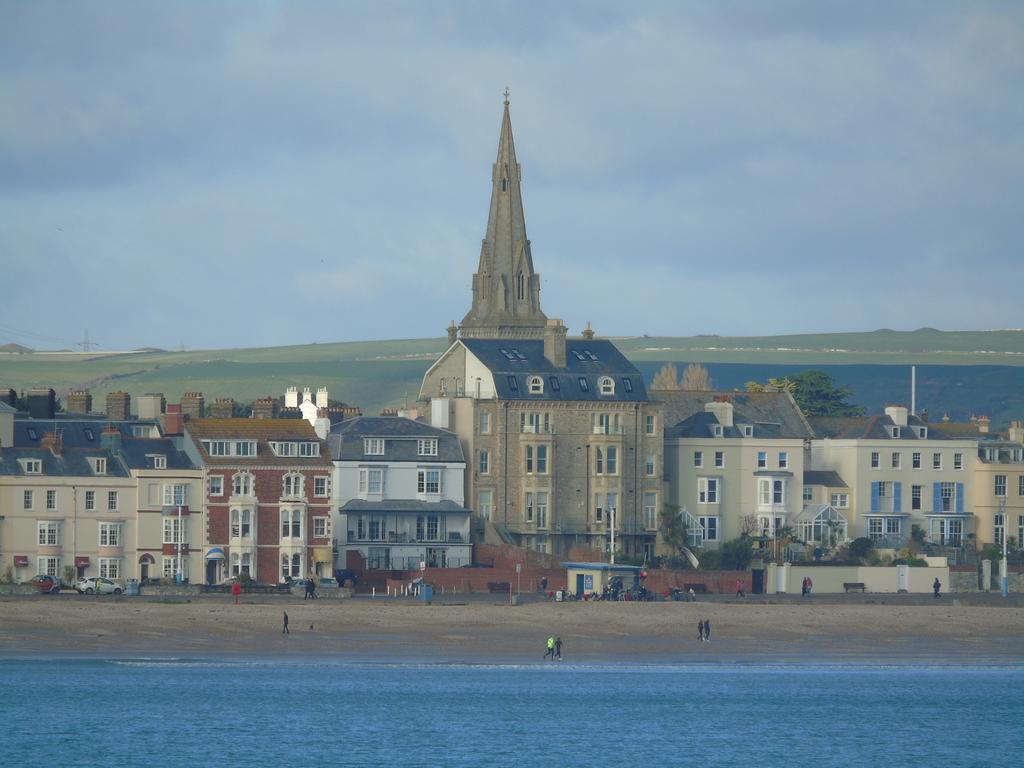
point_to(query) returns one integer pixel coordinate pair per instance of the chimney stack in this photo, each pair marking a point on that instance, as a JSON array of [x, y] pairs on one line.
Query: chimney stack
[[265, 408], [79, 401], [554, 343], [321, 397], [151, 406], [119, 406], [291, 397], [453, 333], [193, 405], [721, 407], [223, 408], [1016, 432], [898, 414], [983, 424], [174, 421], [42, 403]]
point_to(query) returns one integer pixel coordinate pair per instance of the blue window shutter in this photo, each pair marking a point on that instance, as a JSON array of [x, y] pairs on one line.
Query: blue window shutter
[[960, 498], [936, 497], [874, 497], [897, 496]]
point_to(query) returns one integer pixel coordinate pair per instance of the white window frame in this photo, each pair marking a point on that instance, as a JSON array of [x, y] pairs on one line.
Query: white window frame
[[51, 499], [90, 501], [540, 501], [110, 535], [999, 486], [650, 504], [708, 490], [175, 494], [48, 533], [698, 459], [371, 481], [606, 385], [485, 423], [242, 484], [650, 424], [321, 527], [719, 459], [321, 486], [110, 568], [216, 485], [650, 465], [484, 462], [876, 460], [709, 527], [373, 446], [958, 461], [425, 486], [309, 449], [485, 503], [535, 385], [897, 460], [840, 500], [783, 459], [174, 531], [426, 446], [915, 460], [292, 485], [113, 499], [28, 500], [762, 459], [937, 461], [32, 466]]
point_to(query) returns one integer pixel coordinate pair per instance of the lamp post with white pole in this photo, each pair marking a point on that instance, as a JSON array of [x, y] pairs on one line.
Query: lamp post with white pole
[[1003, 576], [612, 515], [179, 537]]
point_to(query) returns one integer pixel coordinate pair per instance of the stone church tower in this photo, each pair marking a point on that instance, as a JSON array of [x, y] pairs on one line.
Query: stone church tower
[[506, 290]]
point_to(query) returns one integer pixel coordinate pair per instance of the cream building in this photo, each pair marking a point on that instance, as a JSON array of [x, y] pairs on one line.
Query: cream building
[[999, 488], [901, 472]]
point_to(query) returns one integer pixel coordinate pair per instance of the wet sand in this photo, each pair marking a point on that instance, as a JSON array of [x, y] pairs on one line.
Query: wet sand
[[487, 631]]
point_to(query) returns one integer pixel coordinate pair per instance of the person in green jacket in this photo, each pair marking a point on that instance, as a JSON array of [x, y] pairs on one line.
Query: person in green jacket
[[551, 648]]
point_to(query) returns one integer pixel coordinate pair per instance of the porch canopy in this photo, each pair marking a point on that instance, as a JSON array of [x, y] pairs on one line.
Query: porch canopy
[[822, 524], [215, 553]]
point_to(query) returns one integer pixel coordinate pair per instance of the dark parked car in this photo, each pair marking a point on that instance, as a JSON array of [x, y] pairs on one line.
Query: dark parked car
[[345, 576], [48, 585]]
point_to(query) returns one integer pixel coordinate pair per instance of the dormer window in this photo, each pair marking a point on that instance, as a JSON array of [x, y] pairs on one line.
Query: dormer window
[[716, 430], [98, 465], [427, 447], [31, 466], [922, 432], [373, 446], [536, 384], [309, 449], [89, 435], [157, 461], [606, 384], [284, 449], [895, 431], [748, 430]]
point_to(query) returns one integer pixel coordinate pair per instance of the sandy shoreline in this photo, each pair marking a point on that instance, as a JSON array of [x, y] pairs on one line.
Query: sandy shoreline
[[379, 631]]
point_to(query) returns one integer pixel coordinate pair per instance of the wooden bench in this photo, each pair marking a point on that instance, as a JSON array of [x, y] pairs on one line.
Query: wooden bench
[[698, 589], [850, 586], [498, 586]]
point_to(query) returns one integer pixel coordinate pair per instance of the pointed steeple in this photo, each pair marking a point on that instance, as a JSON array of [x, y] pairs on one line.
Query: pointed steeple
[[506, 290]]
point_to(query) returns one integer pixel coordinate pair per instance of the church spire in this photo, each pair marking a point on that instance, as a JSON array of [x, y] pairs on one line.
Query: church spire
[[506, 290]]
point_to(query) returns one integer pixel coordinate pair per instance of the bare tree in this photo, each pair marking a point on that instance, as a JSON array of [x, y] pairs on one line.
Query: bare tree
[[749, 525], [666, 378], [696, 378]]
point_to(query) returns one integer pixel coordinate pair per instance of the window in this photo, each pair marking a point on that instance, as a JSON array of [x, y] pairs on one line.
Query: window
[[536, 385], [111, 500], [513, 384], [541, 512], [529, 459], [606, 385], [748, 430], [771, 491], [1020, 486], [897, 459], [216, 485], [174, 530], [529, 507], [175, 495], [110, 567], [291, 486], [876, 461], [895, 432], [110, 534], [32, 466], [762, 459], [51, 499], [611, 460], [90, 500], [783, 460], [915, 497], [840, 500], [216, 447], [485, 504], [426, 447], [892, 526], [958, 461], [27, 500], [542, 459], [555, 384], [99, 466], [707, 490], [245, 448], [606, 424], [320, 486], [241, 523], [719, 459], [428, 481], [48, 565], [320, 529], [309, 449], [598, 462], [49, 534], [698, 458], [627, 384], [649, 424], [285, 449], [291, 524], [1000, 485], [373, 446], [649, 467], [915, 460], [533, 423], [485, 423], [484, 463], [651, 511], [242, 485], [809, 494], [998, 529], [371, 480], [710, 527], [159, 462], [947, 493], [874, 527], [936, 461], [584, 386]]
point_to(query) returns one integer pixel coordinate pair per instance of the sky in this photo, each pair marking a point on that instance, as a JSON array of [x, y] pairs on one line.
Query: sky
[[237, 174]]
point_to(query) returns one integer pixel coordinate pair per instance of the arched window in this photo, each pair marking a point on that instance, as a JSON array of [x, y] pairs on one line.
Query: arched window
[[242, 484], [292, 486], [536, 385], [296, 566], [235, 564], [247, 564], [606, 384], [520, 286]]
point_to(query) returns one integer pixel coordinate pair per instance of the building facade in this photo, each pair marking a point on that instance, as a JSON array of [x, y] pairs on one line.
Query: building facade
[[398, 488], [999, 489]]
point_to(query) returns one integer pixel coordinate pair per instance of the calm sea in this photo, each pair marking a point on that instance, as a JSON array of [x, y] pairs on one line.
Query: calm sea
[[273, 713]]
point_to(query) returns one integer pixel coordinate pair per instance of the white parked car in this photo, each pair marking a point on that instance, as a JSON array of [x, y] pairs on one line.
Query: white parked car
[[97, 584]]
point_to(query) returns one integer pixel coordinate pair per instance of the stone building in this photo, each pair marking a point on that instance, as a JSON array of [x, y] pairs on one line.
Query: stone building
[[561, 439]]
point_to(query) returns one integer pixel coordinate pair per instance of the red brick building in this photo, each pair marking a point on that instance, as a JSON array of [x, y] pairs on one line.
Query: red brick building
[[268, 493]]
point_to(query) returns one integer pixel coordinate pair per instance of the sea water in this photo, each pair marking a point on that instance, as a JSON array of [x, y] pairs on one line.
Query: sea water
[[274, 713]]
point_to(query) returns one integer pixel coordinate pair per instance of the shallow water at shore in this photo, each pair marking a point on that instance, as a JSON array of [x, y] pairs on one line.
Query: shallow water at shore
[[266, 711]]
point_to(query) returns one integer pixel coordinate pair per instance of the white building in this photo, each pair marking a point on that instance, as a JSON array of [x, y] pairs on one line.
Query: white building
[[398, 491]]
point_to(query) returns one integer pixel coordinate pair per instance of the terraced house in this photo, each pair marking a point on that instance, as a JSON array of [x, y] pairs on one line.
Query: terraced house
[[999, 487], [268, 489], [562, 442], [83, 496]]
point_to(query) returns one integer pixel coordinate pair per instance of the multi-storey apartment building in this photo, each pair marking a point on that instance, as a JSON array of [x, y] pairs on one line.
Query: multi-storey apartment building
[[81, 496], [398, 486], [902, 472], [268, 497], [562, 442], [734, 462], [999, 488]]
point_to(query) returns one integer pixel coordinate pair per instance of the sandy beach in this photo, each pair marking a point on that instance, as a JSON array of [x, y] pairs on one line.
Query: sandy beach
[[487, 630]]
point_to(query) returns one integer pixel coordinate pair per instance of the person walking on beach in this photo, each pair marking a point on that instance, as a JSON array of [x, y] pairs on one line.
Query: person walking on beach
[[551, 648], [741, 588], [310, 590], [700, 631], [937, 587], [558, 648], [707, 630], [284, 627]]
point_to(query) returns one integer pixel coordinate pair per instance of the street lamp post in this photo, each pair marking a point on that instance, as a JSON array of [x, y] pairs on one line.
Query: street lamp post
[[612, 515], [1003, 575], [180, 579]]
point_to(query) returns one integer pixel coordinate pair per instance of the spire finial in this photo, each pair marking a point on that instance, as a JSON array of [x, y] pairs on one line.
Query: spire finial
[[506, 95]]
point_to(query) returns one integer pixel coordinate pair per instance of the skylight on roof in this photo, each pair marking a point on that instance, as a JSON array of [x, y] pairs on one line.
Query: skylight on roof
[[584, 384], [590, 355], [577, 355], [513, 384]]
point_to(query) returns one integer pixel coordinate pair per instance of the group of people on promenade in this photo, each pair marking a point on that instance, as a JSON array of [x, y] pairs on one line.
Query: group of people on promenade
[[704, 630], [554, 650]]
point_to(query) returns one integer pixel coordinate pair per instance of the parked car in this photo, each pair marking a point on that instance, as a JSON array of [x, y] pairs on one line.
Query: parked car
[[328, 582], [48, 585], [346, 575], [97, 584]]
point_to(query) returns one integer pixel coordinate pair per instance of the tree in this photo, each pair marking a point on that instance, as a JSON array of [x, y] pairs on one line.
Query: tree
[[666, 378], [815, 392], [673, 527], [735, 555], [696, 378]]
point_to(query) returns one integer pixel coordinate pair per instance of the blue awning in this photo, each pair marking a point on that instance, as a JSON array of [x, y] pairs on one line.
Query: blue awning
[[215, 554]]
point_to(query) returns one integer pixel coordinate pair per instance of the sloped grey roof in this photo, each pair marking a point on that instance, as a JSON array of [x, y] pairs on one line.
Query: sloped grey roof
[[345, 442], [875, 428], [69, 463], [5, 408], [513, 361], [772, 414], [402, 505], [828, 478]]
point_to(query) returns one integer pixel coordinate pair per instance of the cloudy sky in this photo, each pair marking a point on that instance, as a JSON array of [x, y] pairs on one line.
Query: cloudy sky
[[256, 173]]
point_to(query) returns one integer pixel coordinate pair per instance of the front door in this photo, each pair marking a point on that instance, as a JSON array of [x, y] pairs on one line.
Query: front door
[[757, 581], [580, 588], [144, 572], [211, 572]]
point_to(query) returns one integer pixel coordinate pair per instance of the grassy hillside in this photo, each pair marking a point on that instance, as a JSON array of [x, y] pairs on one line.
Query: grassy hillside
[[967, 372]]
